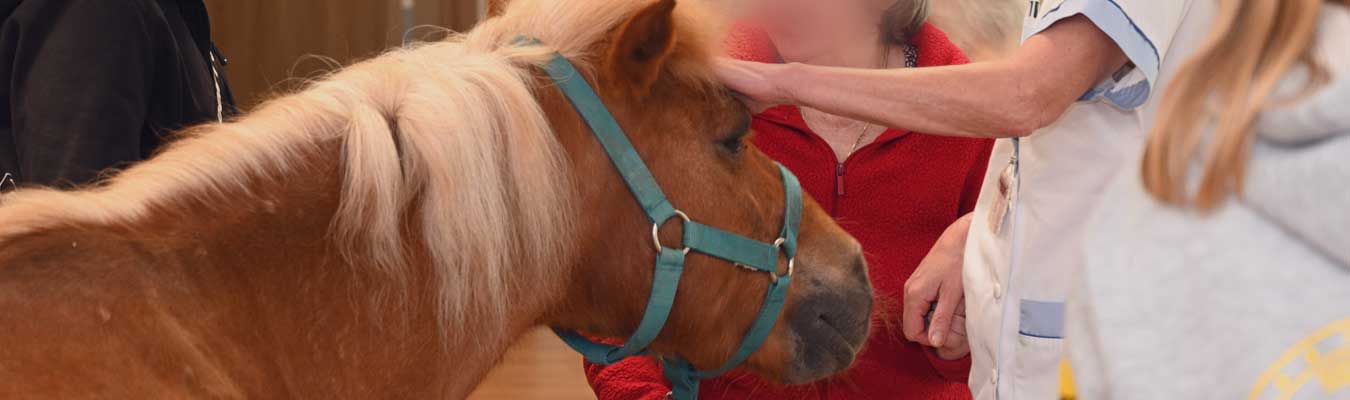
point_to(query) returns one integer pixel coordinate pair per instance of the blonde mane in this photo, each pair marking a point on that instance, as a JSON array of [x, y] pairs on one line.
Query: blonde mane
[[449, 129]]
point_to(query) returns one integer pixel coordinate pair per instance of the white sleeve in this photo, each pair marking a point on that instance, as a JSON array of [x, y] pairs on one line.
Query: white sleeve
[[1143, 29]]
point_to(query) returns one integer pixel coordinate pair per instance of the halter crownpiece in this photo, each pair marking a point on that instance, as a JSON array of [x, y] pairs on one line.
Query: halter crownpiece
[[741, 251]]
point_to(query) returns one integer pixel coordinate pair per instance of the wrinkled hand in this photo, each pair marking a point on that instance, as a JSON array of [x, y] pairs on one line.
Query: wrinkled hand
[[937, 287], [755, 83], [954, 345]]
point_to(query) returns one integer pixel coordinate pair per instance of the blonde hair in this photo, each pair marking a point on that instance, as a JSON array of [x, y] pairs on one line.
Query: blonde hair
[[1225, 86], [903, 20], [984, 29]]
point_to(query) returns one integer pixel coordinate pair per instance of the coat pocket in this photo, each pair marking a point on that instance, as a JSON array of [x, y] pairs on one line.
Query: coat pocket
[[1041, 319], [1040, 349]]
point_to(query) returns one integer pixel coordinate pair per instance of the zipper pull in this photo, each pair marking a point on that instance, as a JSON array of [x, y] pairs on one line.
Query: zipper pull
[[839, 180]]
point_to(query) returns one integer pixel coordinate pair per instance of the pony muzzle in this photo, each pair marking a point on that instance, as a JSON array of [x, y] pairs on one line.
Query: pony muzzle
[[829, 325]]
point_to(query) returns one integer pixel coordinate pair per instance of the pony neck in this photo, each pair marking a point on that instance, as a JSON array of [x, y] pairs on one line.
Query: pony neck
[[252, 267], [326, 302]]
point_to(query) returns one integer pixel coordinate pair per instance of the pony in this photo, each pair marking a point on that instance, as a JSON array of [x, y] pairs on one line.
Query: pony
[[391, 229]]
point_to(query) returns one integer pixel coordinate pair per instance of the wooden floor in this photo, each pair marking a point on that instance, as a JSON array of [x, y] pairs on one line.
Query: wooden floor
[[539, 367]]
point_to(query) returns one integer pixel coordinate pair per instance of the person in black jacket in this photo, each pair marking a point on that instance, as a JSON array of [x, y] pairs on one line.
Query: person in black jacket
[[86, 85]]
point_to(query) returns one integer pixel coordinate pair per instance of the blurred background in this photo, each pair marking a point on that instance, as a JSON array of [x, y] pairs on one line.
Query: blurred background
[[269, 42]]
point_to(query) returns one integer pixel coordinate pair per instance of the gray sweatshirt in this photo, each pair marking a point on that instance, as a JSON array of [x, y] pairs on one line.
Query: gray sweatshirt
[[1250, 301]]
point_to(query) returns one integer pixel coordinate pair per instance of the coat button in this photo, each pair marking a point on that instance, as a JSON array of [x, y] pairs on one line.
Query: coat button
[[998, 291]]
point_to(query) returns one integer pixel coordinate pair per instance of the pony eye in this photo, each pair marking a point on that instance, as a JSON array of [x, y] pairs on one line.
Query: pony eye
[[734, 145], [736, 142]]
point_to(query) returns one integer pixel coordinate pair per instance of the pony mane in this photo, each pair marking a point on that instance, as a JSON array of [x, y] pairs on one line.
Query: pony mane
[[447, 132]]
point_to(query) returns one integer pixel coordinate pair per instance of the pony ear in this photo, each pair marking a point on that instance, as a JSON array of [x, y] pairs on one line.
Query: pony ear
[[644, 43], [495, 7]]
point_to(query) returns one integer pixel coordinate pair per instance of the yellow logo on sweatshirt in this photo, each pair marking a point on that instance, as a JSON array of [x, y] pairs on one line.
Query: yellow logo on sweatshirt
[[1317, 367]]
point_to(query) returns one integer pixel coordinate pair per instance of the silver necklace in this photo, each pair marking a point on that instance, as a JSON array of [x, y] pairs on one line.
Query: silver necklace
[[885, 63], [911, 61]]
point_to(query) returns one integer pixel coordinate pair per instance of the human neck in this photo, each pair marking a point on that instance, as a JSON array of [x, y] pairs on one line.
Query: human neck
[[865, 52]]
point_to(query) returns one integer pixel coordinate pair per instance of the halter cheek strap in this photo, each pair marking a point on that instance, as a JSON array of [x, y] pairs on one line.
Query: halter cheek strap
[[742, 251]]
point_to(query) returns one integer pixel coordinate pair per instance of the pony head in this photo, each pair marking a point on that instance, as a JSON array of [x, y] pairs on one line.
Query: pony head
[[651, 62]]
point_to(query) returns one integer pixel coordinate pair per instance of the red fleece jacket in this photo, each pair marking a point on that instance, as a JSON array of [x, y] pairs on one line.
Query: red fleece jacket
[[896, 195]]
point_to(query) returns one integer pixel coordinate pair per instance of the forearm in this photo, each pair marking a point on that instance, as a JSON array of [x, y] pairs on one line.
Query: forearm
[[1011, 97], [973, 100]]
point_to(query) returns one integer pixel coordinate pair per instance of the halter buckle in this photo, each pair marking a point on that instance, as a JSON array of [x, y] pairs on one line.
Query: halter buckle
[[656, 231]]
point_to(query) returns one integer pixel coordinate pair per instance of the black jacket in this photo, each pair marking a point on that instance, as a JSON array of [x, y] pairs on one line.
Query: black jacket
[[91, 84]]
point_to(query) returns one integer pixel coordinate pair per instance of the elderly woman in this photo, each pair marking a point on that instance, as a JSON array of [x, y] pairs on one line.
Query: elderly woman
[[896, 191], [1067, 106]]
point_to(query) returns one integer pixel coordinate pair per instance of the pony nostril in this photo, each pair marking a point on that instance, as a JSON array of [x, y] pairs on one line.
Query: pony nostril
[[824, 318], [859, 269], [831, 326], [843, 313]]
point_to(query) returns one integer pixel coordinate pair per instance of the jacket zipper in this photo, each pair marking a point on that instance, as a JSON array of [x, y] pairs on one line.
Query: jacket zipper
[[840, 168], [215, 83], [217, 60], [839, 171]]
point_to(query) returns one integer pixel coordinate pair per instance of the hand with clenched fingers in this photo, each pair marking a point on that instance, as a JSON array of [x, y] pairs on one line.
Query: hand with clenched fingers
[[934, 307]]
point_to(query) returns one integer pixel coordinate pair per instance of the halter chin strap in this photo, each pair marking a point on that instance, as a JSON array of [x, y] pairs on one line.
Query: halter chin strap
[[742, 251]]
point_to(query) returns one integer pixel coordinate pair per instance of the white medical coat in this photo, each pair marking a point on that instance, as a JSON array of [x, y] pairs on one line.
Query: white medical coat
[[1017, 266]]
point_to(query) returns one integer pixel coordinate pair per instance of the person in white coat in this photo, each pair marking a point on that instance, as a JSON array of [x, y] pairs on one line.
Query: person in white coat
[[1068, 103], [1220, 267]]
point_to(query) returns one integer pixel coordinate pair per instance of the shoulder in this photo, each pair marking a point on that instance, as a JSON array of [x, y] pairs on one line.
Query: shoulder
[[936, 48], [99, 13], [747, 42]]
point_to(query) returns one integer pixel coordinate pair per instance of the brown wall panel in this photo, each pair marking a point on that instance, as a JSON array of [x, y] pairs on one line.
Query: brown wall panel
[[268, 41], [459, 15], [265, 40]]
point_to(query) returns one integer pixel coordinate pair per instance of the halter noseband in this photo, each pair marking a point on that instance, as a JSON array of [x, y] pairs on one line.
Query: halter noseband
[[742, 251]]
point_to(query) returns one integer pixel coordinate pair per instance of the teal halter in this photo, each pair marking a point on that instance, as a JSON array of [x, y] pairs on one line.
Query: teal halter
[[744, 252]]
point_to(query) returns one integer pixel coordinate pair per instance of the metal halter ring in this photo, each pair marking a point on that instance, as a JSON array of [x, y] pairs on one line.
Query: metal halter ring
[[656, 231], [792, 261]]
